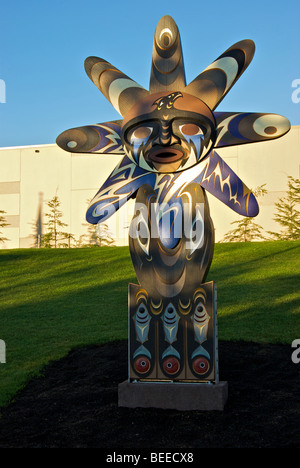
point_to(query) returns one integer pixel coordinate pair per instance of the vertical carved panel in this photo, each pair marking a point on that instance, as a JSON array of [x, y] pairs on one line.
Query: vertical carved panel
[[171, 342]]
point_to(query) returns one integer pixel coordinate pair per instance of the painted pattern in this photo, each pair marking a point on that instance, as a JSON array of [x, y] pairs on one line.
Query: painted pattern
[[167, 140], [212, 173]]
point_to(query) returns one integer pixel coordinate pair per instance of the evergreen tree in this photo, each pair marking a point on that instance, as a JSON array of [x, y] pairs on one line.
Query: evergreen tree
[[287, 212], [247, 230], [67, 240], [55, 237], [3, 224], [104, 235], [98, 235]]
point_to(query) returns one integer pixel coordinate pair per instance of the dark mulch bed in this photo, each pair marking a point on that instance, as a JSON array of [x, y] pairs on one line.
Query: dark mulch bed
[[74, 404]]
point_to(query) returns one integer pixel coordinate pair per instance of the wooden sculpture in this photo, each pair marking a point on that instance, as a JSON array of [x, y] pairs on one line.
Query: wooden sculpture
[[168, 138]]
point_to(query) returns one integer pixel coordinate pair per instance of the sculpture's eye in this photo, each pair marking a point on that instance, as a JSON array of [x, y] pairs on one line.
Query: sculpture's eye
[[141, 133], [190, 129]]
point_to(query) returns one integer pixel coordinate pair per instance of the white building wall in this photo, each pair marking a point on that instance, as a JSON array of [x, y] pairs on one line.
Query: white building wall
[[30, 176]]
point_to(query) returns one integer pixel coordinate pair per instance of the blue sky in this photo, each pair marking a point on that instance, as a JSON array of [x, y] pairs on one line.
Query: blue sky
[[44, 44]]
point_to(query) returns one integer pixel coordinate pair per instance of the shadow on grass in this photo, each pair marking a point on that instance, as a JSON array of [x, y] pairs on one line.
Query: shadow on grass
[[48, 329], [76, 303]]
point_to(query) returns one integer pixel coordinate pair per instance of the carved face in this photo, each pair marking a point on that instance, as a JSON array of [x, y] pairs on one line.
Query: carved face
[[168, 132]]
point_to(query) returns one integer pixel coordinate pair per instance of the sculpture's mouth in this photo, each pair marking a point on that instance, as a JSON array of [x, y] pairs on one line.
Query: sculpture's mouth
[[165, 155]]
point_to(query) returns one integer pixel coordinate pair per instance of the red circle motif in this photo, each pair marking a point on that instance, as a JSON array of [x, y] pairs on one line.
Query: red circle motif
[[201, 365], [171, 365], [142, 365]]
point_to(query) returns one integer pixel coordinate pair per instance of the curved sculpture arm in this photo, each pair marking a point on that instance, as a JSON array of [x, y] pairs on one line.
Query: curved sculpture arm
[[121, 91], [99, 138], [238, 128], [212, 85]]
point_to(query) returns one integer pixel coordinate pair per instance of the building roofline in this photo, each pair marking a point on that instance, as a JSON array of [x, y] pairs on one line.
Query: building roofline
[[27, 146]]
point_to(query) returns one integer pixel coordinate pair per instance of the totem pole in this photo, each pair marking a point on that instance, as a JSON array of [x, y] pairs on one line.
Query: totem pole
[[167, 138]]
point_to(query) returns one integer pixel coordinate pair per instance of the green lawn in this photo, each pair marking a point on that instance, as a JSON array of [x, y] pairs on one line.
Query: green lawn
[[55, 300]]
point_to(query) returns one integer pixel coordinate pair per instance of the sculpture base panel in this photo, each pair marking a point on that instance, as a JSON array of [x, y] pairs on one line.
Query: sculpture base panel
[[178, 396]]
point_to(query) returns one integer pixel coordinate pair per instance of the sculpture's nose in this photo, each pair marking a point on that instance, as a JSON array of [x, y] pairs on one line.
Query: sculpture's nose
[[166, 136]]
